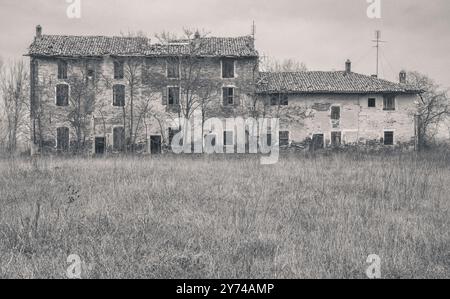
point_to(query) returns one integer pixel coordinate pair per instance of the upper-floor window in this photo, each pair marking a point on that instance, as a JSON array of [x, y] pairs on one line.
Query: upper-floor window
[[228, 96], [173, 95], [173, 69], [62, 95], [389, 102], [62, 70], [119, 95], [118, 70], [228, 70], [335, 113], [282, 100], [372, 103]]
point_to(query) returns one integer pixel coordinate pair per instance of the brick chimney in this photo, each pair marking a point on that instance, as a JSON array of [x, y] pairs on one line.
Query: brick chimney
[[348, 66], [38, 31], [402, 77]]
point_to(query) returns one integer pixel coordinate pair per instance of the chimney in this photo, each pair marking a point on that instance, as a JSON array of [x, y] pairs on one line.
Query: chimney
[[374, 76], [348, 66], [38, 31], [402, 77]]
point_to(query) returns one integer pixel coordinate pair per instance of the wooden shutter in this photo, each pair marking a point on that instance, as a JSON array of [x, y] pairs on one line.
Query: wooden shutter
[[237, 97], [164, 96]]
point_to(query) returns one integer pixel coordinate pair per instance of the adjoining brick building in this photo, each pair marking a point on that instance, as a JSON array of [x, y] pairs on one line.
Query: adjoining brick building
[[104, 94]]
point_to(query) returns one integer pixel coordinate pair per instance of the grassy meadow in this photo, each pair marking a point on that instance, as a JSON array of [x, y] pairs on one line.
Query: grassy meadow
[[226, 217]]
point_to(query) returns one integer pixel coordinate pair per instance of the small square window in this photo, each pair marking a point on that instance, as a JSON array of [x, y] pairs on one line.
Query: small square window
[[388, 138], [372, 103]]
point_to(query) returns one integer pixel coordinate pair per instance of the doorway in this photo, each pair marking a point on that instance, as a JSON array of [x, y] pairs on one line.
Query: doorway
[[100, 145], [155, 145]]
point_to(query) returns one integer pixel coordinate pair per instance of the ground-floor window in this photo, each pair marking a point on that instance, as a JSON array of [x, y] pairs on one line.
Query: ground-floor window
[[284, 138], [119, 139], [62, 139], [388, 138], [100, 145], [318, 141], [336, 138], [228, 138]]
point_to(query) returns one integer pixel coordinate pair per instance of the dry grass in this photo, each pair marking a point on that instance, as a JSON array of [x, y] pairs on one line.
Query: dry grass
[[222, 217]]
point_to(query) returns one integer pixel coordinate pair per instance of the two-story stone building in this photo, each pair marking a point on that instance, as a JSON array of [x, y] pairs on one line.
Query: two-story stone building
[[107, 93]]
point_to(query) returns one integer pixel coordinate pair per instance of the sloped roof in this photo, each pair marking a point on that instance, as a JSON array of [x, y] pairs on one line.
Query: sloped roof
[[93, 46], [328, 82]]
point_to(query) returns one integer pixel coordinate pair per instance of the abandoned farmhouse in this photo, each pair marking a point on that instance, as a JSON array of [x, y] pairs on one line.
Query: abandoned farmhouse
[[113, 94]]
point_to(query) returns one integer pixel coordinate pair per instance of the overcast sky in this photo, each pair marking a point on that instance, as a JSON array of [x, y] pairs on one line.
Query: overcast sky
[[321, 33]]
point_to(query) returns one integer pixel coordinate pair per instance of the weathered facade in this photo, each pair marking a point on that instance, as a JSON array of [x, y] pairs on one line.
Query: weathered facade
[[112, 94]]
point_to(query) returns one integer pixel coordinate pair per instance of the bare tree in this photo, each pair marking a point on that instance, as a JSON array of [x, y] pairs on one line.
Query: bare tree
[[269, 64], [433, 106], [14, 87]]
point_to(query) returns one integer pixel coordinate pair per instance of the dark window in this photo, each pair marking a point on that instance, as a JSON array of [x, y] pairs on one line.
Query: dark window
[[228, 68], [228, 138], [228, 96], [389, 138], [119, 139], [282, 100], [284, 138], [62, 69], [173, 68], [118, 70], [155, 145], [335, 113], [119, 95], [318, 141], [62, 95], [372, 103], [100, 145], [174, 95], [90, 73], [389, 103], [336, 138], [62, 139]]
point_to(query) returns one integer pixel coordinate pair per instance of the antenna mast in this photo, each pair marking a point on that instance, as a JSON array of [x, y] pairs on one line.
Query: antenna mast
[[378, 41], [253, 30]]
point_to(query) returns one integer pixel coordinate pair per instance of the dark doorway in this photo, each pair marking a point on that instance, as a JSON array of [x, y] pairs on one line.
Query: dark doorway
[[318, 142], [155, 145], [100, 145]]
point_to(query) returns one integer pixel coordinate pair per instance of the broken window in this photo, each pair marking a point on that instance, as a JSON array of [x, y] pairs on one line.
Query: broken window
[[284, 138], [62, 95], [118, 70], [388, 138], [389, 103], [228, 68], [119, 95], [173, 95], [62, 69], [119, 139], [228, 96], [62, 139], [336, 138], [372, 102], [173, 68], [228, 138]]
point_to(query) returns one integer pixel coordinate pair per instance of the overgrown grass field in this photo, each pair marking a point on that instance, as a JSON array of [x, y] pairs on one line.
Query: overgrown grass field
[[223, 217]]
